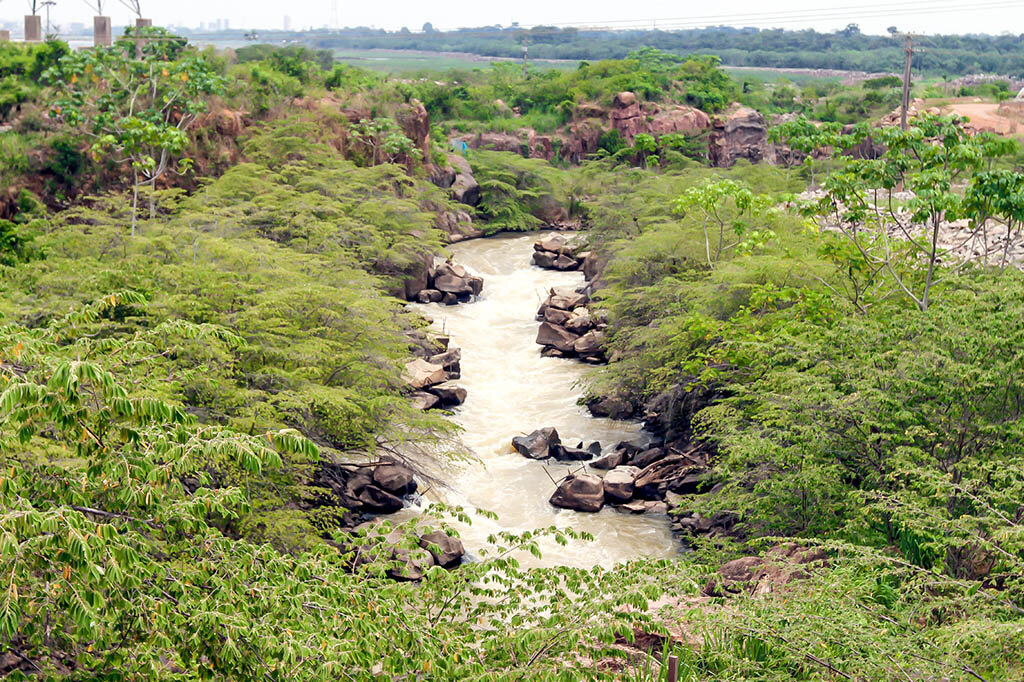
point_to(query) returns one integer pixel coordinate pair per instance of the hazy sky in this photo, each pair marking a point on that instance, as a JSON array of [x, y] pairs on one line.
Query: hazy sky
[[873, 16]]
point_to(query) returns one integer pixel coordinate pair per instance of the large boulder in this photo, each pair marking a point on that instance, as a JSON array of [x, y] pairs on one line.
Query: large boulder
[[626, 116], [615, 408], [464, 189], [589, 344], [377, 500], [538, 444], [580, 492], [678, 119], [451, 360], [395, 479], [618, 483], [422, 374], [446, 550], [558, 337], [552, 243], [556, 316], [566, 298], [545, 259], [579, 323]]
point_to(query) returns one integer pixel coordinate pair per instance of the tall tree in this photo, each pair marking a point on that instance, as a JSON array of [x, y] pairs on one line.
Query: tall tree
[[137, 108]]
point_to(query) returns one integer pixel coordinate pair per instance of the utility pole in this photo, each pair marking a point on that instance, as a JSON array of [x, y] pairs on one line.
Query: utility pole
[[526, 49], [906, 82]]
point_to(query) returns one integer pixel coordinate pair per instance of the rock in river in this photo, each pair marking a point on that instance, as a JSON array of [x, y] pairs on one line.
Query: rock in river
[[581, 492], [618, 483], [552, 335], [537, 445]]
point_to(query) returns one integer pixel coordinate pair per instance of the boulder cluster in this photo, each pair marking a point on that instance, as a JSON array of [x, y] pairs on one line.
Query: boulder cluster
[[432, 372], [639, 478], [554, 253], [441, 281], [378, 488], [568, 329], [410, 556]]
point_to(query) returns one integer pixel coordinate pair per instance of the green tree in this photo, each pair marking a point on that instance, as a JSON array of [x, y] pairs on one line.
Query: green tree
[[725, 204], [902, 237], [138, 109]]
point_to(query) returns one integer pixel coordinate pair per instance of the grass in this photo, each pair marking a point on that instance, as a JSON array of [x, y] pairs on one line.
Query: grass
[[409, 61]]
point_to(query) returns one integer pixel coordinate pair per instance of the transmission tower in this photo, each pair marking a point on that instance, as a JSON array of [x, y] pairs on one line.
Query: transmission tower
[[133, 5]]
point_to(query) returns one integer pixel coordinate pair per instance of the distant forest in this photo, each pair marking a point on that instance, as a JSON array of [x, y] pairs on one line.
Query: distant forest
[[848, 49]]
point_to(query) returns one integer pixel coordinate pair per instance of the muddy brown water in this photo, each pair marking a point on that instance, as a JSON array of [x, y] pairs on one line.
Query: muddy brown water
[[512, 390]]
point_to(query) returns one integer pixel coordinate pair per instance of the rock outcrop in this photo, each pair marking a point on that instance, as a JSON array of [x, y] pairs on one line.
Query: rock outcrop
[[568, 329], [377, 489], [430, 375], [464, 188], [553, 252], [630, 118], [441, 281], [739, 133]]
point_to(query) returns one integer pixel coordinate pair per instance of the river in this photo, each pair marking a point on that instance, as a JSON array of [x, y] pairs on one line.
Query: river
[[512, 390]]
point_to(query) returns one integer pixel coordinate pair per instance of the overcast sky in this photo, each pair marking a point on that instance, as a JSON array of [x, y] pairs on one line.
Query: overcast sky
[[873, 16]]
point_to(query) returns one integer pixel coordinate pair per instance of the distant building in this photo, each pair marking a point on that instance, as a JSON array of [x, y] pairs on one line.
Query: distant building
[[226, 25]]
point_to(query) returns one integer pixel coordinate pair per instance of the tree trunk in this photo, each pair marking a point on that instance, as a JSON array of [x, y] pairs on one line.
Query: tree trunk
[[135, 198]]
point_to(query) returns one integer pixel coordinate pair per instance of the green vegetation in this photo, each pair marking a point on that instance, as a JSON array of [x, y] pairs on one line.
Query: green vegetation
[[172, 385]]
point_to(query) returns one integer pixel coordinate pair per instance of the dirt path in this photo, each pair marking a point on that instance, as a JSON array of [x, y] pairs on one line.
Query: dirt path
[[985, 116]]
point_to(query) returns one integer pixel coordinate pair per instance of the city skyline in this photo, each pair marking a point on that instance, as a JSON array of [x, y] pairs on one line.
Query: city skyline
[[940, 16]]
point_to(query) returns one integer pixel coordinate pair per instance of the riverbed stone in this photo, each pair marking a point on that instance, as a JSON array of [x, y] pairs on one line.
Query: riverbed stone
[[648, 457], [556, 316], [452, 284], [449, 394], [551, 243], [578, 324], [544, 259], [564, 453], [609, 461], [618, 483], [412, 564], [580, 492], [566, 298], [553, 335], [564, 262], [422, 374], [450, 360], [538, 444], [421, 400], [589, 344]]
